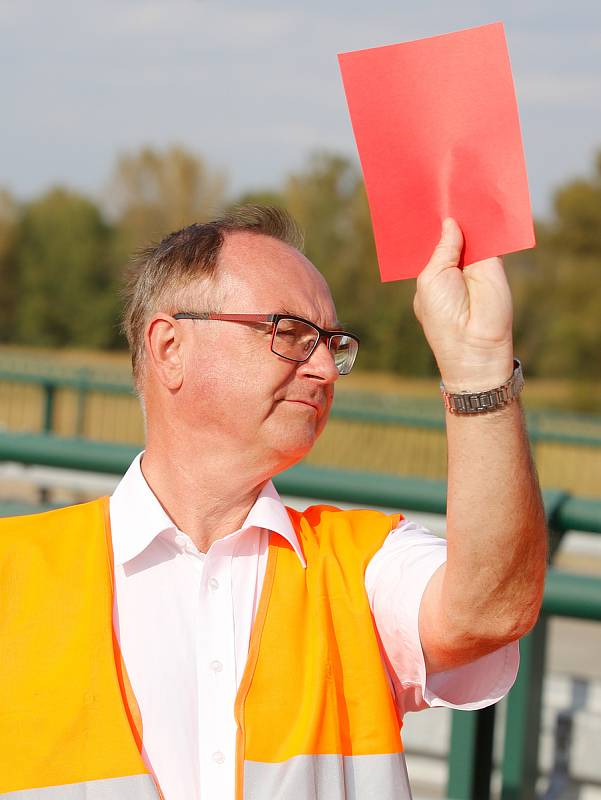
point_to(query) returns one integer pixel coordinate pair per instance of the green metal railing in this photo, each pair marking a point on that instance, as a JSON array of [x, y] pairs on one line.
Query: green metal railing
[[375, 433], [569, 595], [350, 406], [82, 381]]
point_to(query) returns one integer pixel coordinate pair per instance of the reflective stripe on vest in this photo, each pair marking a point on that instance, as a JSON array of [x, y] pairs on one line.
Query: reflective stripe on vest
[[132, 787], [328, 777]]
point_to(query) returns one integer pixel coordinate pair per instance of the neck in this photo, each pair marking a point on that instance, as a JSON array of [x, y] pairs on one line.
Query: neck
[[206, 498]]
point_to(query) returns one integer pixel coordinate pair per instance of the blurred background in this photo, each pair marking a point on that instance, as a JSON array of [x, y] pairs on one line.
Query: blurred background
[[124, 120]]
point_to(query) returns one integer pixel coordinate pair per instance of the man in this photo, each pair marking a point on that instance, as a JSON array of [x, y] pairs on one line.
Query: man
[[255, 651]]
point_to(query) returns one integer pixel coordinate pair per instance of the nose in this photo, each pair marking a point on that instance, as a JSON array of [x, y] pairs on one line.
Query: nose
[[320, 366]]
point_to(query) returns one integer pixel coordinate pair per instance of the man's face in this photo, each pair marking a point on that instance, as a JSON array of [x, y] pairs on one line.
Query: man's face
[[235, 389]]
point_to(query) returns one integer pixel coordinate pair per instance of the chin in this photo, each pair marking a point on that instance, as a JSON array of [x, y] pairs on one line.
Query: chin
[[289, 452], [289, 443]]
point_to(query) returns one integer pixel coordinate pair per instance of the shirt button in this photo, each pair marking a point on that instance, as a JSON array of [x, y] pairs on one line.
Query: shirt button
[[218, 757], [216, 666], [213, 583]]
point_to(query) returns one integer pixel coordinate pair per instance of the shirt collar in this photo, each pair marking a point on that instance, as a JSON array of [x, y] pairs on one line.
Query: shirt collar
[[137, 517]]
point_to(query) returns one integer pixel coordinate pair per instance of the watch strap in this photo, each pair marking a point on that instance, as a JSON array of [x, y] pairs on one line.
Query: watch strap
[[484, 401]]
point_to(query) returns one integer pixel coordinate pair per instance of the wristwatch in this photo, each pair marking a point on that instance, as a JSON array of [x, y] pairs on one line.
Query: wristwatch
[[489, 400]]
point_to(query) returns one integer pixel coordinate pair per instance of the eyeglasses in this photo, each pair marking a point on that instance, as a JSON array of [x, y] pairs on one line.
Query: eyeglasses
[[294, 338]]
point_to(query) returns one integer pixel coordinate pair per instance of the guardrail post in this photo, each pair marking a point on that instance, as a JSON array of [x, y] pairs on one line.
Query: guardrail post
[[49, 390], [82, 396], [522, 726], [559, 781], [470, 756]]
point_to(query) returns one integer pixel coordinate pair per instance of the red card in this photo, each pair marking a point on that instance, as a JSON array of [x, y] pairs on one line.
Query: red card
[[437, 128]]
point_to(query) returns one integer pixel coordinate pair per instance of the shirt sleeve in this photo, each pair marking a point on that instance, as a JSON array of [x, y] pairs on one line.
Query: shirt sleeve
[[395, 580]]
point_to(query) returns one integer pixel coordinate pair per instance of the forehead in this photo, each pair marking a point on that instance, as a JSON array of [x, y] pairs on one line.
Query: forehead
[[259, 274]]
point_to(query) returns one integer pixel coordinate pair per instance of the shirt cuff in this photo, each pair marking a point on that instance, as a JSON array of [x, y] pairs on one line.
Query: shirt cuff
[[479, 684]]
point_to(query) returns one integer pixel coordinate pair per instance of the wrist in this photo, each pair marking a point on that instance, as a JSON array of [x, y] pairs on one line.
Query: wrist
[[477, 374]]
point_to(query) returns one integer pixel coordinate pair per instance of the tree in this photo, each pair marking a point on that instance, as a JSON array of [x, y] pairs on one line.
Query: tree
[[67, 292], [576, 226], [259, 197], [9, 217], [557, 287], [152, 193]]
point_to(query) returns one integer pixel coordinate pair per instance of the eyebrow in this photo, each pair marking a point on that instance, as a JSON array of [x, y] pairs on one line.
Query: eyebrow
[[338, 326]]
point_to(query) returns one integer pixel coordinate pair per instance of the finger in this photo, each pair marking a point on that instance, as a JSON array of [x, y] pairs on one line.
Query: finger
[[489, 270], [417, 306], [496, 262], [448, 250]]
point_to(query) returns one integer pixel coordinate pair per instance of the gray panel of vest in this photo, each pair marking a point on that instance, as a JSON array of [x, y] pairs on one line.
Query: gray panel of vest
[[328, 777], [131, 787]]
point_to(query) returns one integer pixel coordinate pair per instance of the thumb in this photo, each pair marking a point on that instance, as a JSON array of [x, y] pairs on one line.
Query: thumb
[[448, 250]]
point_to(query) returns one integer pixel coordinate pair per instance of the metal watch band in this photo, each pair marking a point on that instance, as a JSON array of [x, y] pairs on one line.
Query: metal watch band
[[489, 400]]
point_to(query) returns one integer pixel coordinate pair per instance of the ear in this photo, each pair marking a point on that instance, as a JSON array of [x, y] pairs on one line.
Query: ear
[[164, 350]]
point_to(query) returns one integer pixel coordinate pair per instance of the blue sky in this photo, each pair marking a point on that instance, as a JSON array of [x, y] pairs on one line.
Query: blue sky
[[254, 87]]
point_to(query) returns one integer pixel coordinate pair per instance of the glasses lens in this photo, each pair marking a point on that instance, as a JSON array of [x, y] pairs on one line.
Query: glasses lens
[[344, 350], [294, 339]]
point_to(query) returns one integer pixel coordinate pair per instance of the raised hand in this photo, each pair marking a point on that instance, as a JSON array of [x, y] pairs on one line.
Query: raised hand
[[466, 315]]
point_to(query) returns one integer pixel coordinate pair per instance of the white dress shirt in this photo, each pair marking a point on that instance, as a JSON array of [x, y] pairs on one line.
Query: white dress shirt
[[183, 619]]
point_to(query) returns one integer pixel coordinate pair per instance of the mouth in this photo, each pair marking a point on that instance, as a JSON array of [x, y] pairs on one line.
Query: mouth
[[307, 403]]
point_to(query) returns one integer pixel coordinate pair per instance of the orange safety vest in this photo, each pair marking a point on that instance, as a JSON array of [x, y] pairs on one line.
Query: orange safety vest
[[315, 713]]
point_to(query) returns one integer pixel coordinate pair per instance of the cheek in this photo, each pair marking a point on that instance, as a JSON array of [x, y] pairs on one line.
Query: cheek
[[235, 379], [218, 391], [236, 394]]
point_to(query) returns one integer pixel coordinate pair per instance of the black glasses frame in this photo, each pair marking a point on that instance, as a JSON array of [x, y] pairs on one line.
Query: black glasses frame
[[274, 319]]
